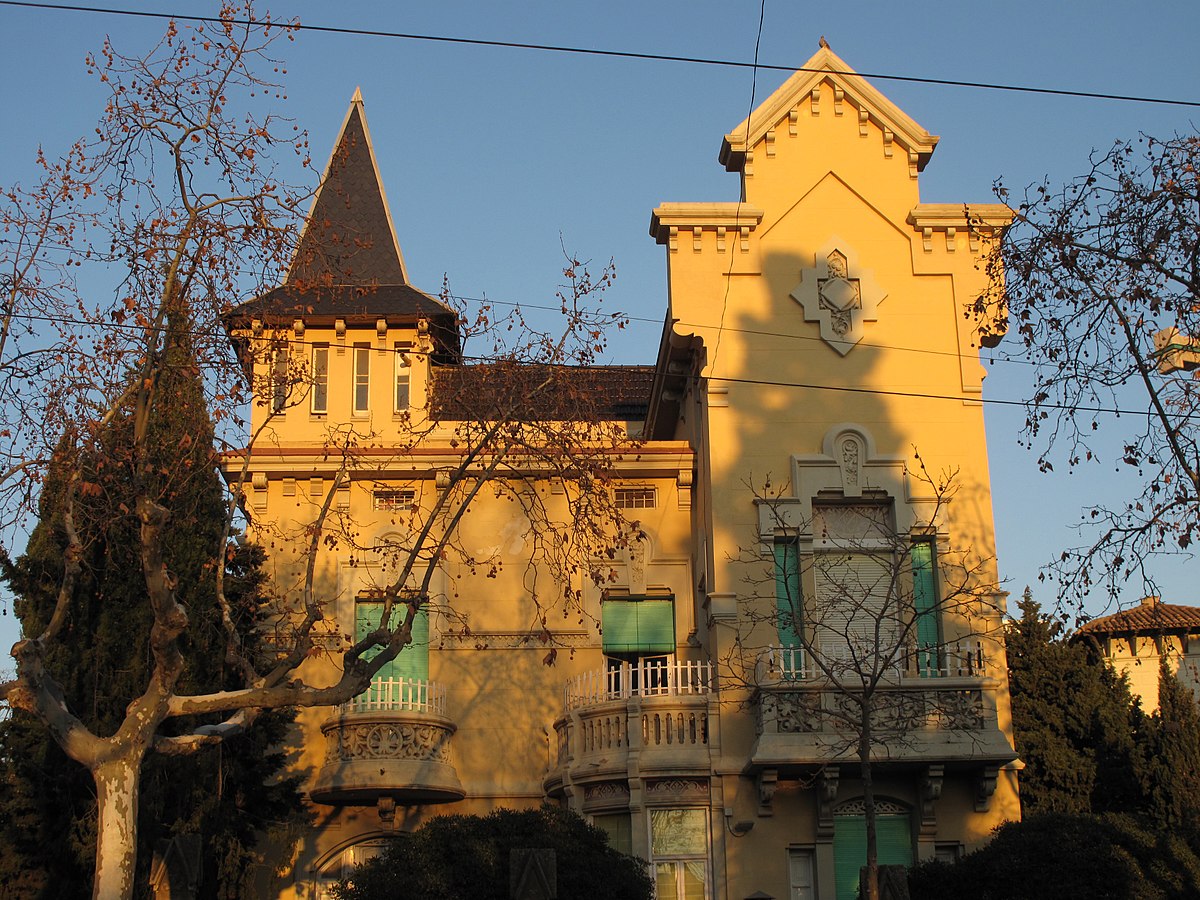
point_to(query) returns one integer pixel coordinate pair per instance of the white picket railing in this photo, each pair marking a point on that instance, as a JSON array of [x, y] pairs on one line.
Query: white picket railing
[[658, 676], [956, 660], [400, 695]]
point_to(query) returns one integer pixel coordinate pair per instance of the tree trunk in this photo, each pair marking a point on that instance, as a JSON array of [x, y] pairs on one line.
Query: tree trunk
[[870, 891], [117, 785]]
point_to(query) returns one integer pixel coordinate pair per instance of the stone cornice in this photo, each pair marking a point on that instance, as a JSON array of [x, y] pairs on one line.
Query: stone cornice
[[940, 216], [668, 218]]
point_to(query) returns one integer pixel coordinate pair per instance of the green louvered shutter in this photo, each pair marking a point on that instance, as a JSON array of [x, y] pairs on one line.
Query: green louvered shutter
[[925, 605], [638, 626], [788, 607], [413, 661], [893, 843]]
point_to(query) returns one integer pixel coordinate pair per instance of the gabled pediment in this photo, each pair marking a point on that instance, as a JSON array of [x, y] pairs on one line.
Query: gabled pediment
[[853, 95]]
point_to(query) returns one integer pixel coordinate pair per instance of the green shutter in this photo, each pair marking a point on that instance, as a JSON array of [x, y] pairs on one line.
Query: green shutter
[[638, 626], [893, 845], [788, 607], [925, 604], [413, 660]]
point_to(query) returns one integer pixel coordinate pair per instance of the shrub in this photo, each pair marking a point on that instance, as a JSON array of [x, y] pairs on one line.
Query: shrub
[[454, 857]]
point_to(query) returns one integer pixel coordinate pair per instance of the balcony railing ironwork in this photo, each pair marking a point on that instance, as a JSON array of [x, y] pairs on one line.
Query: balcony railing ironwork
[[399, 695], [962, 659], [662, 676]]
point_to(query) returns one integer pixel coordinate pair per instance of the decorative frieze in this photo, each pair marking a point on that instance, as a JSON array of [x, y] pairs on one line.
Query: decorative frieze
[[349, 742], [894, 712], [606, 795], [677, 790], [514, 640]]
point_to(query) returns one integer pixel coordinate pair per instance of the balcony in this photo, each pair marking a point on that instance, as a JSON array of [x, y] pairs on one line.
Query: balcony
[[936, 706], [654, 716], [391, 742], [964, 659]]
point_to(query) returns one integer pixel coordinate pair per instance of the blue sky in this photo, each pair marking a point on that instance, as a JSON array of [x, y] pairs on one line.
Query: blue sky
[[493, 156]]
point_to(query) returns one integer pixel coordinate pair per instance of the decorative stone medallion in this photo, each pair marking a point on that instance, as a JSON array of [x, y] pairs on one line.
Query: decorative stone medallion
[[839, 294]]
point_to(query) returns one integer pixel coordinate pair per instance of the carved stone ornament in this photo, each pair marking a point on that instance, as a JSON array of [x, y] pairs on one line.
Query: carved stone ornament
[[677, 790], [985, 787], [768, 783], [827, 791], [839, 294], [386, 740], [513, 640], [850, 462], [637, 566], [883, 807], [793, 711], [960, 710], [606, 795], [931, 791]]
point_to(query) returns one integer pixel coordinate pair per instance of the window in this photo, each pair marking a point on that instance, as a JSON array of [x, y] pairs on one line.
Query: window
[[403, 365], [855, 614], [362, 379], [342, 865], [788, 599], [635, 675], [638, 625], [280, 387], [926, 609], [893, 841], [319, 397], [801, 882], [402, 682], [947, 853], [393, 500], [679, 853], [634, 498], [638, 637], [619, 830]]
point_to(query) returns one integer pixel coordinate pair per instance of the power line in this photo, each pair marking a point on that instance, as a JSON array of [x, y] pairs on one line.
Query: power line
[[619, 316], [987, 401], [615, 54]]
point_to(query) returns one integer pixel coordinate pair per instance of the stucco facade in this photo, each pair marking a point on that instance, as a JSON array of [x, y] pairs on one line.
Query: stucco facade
[[816, 363]]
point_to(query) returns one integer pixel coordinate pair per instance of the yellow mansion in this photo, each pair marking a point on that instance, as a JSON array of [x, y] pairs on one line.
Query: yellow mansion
[[810, 554]]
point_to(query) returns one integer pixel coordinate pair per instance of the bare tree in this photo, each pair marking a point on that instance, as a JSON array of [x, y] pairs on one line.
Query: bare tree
[[869, 636], [1102, 278], [178, 195]]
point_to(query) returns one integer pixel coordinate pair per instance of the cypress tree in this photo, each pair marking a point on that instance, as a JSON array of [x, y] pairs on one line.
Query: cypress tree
[[226, 794], [1174, 753], [1075, 724]]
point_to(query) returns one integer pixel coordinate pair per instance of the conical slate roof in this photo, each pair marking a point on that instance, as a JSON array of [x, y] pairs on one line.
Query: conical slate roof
[[349, 237], [348, 263]]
